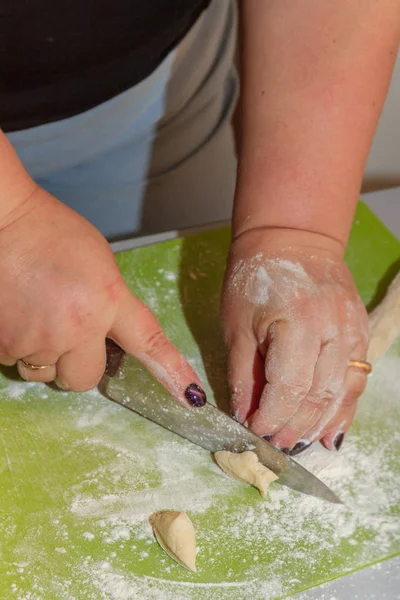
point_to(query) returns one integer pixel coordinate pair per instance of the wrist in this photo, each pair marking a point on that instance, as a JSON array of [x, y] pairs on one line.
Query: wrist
[[274, 240], [16, 185], [276, 198]]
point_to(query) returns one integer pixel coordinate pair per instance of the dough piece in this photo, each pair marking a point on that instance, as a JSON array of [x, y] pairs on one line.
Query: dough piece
[[246, 467], [175, 533], [384, 322]]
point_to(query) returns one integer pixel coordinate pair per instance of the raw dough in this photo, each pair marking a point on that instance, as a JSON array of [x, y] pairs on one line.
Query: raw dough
[[246, 467], [175, 533], [384, 322]]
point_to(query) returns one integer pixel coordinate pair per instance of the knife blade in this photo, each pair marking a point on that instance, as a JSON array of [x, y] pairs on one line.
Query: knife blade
[[207, 427]]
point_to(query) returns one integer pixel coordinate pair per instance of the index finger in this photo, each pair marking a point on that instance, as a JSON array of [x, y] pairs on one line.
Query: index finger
[[290, 362], [137, 331]]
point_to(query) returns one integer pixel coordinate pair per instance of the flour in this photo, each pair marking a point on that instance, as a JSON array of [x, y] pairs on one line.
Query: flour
[[297, 526], [178, 489], [260, 277], [295, 268], [91, 419], [170, 276], [17, 389], [382, 383], [247, 547], [261, 286], [115, 586]]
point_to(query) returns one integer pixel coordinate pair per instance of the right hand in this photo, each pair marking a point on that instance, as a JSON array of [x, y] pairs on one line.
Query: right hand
[[61, 296]]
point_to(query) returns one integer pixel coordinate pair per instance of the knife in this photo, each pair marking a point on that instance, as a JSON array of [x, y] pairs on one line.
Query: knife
[[207, 426]]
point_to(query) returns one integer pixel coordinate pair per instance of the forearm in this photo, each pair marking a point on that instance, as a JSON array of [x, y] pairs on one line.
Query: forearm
[[314, 78], [16, 186]]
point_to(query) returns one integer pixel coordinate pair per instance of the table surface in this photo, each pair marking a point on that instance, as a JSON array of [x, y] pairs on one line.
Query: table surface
[[379, 581]]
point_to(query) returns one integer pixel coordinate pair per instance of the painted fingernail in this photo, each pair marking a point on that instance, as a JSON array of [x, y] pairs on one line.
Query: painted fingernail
[[338, 440], [267, 437], [195, 395], [285, 450], [299, 447]]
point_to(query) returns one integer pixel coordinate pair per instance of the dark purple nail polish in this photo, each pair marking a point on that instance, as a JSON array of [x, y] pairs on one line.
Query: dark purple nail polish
[[195, 395], [299, 447], [267, 437], [338, 440], [285, 450]]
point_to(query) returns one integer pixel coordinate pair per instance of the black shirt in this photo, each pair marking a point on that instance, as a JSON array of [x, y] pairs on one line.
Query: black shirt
[[61, 57]]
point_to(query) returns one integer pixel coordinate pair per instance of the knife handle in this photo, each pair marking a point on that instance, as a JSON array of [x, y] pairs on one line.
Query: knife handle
[[114, 357]]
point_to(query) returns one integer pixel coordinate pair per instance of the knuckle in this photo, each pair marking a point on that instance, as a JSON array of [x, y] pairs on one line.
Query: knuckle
[[80, 308], [77, 378], [155, 342], [44, 357], [356, 382], [85, 307], [7, 345], [46, 378], [351, 397], [6, 360], [292, 384], [296, 390], [320, 398], [311, 412], [83, 385], [360, 345]]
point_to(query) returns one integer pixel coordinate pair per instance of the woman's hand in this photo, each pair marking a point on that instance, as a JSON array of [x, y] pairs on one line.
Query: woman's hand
[[293, 320], [62, 295]]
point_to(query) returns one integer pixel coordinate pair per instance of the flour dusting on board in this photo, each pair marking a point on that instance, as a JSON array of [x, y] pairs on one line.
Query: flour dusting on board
[[247, 546], [114, 586], [178, 489], [300, 525], [17, 389]]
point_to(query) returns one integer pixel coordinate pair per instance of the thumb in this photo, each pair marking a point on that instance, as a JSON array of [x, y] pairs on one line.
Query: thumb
[[137, 331]]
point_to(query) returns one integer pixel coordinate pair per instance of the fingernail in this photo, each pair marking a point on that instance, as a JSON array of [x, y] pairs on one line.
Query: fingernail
[[299, 447], [267, 437], [338, 440], [195, 395], [285, 450], [61, 384]]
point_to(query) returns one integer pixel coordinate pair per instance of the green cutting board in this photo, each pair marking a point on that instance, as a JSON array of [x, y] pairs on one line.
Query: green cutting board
[[79, 475]]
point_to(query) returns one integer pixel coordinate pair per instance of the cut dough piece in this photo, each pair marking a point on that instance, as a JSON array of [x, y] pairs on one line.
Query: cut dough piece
[[246, 467], [175, 533], [384, 322]]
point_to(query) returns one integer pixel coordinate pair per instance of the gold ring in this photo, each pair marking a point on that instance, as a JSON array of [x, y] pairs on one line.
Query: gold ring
[[361, 364], [34, 367]]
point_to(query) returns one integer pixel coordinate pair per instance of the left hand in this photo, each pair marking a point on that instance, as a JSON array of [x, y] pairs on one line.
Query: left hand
[[293, 320]]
